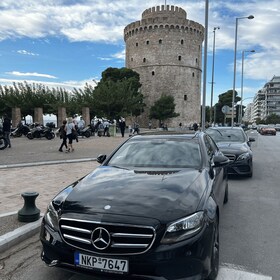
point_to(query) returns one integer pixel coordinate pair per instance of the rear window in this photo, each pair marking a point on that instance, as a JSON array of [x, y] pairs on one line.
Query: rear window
[[227, 135]]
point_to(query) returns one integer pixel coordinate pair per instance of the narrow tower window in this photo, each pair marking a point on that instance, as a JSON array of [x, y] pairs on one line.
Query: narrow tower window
[[185, 97], [136, 44], [147, 42], [160, 41], [182, 42], [131, 59], [193, 74], [153, 73], [179, 58], [144, 59]]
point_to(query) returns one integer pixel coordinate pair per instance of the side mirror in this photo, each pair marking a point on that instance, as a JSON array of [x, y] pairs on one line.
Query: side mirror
[[220, 160], [101, 158], [252, 139]]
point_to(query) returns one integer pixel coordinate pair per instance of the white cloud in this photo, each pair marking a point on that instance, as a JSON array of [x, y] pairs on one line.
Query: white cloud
[[34, 74], [27, 53]]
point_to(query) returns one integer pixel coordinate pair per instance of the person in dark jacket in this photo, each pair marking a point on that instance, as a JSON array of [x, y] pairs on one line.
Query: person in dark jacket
[[122, 125], [63, 136], [7, 129]]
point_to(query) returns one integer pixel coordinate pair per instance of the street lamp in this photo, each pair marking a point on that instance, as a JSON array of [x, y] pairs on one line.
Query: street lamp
[[212, 82], [234, 66], [242, 72], [205, 65]]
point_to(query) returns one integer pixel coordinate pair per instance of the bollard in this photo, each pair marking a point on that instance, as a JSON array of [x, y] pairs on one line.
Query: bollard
[[29, 212]]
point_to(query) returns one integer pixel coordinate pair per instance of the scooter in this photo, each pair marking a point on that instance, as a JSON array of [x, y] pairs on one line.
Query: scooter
[[3, 141], [40, 131], [86, 131], [20, 130]]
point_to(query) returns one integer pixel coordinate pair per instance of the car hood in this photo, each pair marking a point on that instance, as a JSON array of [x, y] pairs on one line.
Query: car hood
[[161, 195], [233, 147]]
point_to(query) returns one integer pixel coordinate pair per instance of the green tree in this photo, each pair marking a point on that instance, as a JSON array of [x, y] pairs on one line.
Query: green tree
[[225, 99], [272, 119], [163, 109], [118, 94]]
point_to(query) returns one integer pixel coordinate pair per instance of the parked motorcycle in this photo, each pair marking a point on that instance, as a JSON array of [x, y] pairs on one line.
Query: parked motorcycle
[[20, 130], [3, 141], [40, 131], [86, 131]]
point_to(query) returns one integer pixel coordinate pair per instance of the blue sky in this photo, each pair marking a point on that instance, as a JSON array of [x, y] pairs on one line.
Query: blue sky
[[66, 43]]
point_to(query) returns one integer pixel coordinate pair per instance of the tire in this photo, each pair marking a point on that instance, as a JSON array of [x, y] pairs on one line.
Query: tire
[[87, 134], [3, 143], [215, 253], [49, 136], [30, 135], [226, 194]]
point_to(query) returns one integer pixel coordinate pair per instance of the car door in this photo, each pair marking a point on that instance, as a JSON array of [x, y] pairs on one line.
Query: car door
[[220, 176]]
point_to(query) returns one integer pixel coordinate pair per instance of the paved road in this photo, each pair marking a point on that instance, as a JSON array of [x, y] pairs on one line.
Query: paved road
[[36, 150]]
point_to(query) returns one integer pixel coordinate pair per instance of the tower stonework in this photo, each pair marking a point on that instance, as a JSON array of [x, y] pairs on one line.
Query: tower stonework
[[165, 48]]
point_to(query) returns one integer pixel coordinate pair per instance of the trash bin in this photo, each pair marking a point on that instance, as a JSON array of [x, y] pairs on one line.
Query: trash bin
[[112, 130]]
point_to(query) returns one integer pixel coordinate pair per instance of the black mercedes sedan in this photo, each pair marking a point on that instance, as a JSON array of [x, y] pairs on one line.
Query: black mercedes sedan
[[236, 145], [151, 210]]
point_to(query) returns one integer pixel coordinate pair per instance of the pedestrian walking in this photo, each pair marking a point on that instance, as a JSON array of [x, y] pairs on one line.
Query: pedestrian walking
[[136, 128], [63, 136], [70, 134], [75, 133], [7, 129], [122, 125]]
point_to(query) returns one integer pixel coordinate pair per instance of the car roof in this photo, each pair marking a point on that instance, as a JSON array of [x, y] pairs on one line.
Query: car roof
[[168, 134], [225, 127]]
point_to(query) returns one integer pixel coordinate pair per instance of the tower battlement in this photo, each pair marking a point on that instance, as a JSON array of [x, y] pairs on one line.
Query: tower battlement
[[164, 11], [164, 17]]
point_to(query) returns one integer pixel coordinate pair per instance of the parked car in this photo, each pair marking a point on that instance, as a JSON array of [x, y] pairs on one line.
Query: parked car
[[268, 130], [150, 211], [236, 145]]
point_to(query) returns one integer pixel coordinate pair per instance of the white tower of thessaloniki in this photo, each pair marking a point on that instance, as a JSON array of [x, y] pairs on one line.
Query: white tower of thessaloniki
[[165, 48]]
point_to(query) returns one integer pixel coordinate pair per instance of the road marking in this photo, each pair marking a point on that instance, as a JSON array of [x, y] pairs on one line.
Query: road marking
[[232, 273]]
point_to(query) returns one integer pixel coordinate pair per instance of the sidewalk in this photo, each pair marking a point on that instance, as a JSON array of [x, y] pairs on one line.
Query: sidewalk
[[48, 173]]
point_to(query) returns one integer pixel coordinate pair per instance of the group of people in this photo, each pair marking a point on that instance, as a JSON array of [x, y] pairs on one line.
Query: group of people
[[68, 131]]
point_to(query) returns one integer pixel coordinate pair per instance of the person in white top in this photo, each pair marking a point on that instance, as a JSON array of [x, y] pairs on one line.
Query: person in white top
[[70, 128]]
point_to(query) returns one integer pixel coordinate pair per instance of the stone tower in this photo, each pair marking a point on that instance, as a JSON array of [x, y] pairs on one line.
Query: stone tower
[[165, 48]]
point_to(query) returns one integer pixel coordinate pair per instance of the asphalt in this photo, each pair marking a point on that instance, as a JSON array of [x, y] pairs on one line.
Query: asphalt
[[37, 166]]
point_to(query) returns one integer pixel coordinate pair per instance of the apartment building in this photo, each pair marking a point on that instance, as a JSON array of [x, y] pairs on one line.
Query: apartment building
[[266, 101]]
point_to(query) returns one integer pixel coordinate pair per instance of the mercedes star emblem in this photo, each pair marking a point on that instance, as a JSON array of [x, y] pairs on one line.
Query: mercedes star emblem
[[100, 238]]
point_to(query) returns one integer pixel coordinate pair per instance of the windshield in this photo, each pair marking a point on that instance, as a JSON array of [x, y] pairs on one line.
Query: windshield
[[227, 135], [158, 153]]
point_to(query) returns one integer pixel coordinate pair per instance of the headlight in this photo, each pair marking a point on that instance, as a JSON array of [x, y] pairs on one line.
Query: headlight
[[243, 156], [51, 217], [184, 228]]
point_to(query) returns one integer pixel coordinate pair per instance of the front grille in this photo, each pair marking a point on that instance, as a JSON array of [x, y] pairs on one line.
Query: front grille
[[231, 157], [124, 239]]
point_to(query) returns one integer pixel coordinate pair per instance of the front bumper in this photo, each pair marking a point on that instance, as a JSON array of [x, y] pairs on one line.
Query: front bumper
[[240, 168], [189, 259]]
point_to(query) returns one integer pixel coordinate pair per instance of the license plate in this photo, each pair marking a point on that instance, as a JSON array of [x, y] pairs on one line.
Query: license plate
[[101, 263]]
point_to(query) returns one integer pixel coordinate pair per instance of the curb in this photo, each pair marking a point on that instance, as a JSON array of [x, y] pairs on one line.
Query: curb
[[12, 238], [29, 164]]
